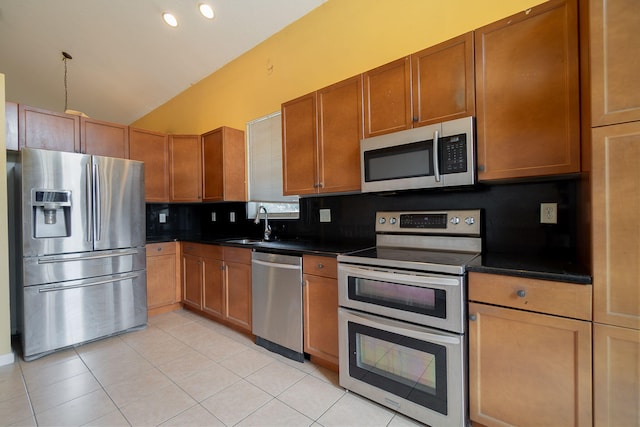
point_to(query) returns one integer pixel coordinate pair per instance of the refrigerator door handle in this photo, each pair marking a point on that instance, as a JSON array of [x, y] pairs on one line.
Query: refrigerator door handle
[[89, 195], [86, 285], [97, 224], [55, 259]]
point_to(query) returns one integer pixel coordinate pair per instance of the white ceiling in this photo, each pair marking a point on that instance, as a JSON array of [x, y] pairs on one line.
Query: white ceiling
[[126, 60]]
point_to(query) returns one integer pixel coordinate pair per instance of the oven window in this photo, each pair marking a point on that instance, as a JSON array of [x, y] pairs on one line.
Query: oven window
[[416, 299], [402, 161], [407, 367]]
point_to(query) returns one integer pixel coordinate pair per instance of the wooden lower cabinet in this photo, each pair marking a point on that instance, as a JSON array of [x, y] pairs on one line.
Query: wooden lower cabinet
[[163, 277], [217, 282], [527, 368], [616, 376], [320, 296]]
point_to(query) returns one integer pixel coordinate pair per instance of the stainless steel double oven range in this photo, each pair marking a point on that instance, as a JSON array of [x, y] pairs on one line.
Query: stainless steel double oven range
[[402, 315]]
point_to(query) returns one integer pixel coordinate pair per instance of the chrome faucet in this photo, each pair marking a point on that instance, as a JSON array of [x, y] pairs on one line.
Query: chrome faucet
[[267, 228]]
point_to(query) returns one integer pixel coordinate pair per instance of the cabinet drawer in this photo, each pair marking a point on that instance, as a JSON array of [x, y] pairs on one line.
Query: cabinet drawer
[[206, 251], [239, 255], [157, 249], [320, 266], [543, 296]]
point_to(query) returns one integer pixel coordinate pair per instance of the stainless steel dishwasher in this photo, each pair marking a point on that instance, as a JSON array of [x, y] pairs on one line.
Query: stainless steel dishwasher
[[277, 303]]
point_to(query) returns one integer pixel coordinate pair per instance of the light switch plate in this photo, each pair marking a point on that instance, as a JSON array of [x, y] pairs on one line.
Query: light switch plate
[[162, 218], [548, 213], [213, 217], [325, 215], [232, 217]]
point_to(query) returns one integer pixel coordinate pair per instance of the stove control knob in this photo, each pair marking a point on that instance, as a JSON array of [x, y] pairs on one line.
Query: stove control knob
[[455, 220], [470, 220], [392, 221], [382, 220]]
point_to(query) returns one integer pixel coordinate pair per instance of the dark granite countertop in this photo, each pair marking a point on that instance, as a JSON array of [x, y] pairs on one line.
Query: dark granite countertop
[[534, 267], [295, 246]]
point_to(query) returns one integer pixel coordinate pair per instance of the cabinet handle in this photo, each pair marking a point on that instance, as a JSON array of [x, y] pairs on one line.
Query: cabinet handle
[[159, 249], [320, 266], [472, 317], [480, 168], [521, 293]]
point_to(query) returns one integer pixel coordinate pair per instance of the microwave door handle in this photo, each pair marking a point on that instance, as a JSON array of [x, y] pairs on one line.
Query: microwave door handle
[[436, 156]]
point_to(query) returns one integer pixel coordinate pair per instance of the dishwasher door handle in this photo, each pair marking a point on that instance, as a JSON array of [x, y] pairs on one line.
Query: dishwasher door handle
[[276, 265]]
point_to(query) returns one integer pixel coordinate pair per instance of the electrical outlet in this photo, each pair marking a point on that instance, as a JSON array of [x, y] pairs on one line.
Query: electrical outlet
[[325, 215], [548, 213], [213, 217], [232, 217], [162, 218]]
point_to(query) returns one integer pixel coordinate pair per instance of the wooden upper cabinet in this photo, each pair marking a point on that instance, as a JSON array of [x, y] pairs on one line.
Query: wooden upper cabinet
[[39, 128], [340, 130], [615, 69], [103, 138], [299, 135], [185, 168], [11, 123], [152, 148], [443, 81], [387, 98], [615, 180], [527, 93], [224, 165]]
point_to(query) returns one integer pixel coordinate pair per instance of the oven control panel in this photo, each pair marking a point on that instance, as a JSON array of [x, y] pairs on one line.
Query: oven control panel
[[465, 222]]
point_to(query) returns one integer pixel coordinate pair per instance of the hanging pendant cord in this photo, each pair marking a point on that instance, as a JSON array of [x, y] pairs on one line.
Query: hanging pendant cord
[[65, 58]]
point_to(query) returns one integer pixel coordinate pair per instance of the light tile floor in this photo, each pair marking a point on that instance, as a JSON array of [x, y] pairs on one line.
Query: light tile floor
[[182, 370]]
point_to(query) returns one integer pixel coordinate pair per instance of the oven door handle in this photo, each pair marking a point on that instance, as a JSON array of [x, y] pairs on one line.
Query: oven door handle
[[407, 329], [418, 280]]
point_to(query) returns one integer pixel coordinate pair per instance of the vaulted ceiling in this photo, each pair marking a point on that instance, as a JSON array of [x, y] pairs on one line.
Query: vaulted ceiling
[[125, 60]]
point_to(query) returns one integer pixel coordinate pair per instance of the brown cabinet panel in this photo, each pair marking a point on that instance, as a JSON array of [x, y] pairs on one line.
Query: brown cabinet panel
[[185, 168], [152, 148], [11, 123], [615, 181], [213, 287], [339, 134], [104, 138], [528, 369], [615, 69], [163, 281], [224, 165], [527, 93], [299, 155], [387, 98], [192, 280], [39, 128], [238, 293], [443, 81], [616, 376]]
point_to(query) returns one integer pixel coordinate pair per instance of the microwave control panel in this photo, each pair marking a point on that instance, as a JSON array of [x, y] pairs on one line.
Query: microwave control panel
[[454, 154]]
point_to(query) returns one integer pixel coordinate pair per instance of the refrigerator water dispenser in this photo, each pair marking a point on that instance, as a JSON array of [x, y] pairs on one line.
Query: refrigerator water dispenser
[[51, 213]]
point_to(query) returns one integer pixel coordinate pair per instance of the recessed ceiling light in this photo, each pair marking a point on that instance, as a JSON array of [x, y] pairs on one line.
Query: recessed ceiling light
[[206, 10], [170, 19]]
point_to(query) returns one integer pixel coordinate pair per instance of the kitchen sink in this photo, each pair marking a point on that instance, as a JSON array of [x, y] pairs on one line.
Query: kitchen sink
[[245, 241]]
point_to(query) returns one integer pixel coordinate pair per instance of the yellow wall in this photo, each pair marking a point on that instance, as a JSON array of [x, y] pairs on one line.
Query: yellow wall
[[5, 319], [335, 41]]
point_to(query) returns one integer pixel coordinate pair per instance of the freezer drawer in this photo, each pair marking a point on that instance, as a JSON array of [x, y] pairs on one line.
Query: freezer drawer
[[58, 315], [60, 268]]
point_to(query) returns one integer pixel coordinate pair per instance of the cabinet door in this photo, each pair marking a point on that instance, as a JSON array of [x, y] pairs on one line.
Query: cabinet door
[[40, 128], [527, 93], [321, 317], [238, 296], [212, 166], [161, 275], [152, 148], [104, 138], [528, 369], [615, 199], [387, 98], [615, 69], [192, 280], [443, 81], [299, 157], [339, 135], [185, 168], [213, 279], [224, 165], [11, 123], [616, 376]]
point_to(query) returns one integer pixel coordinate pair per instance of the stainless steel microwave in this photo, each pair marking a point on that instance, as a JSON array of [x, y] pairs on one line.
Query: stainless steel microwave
[[439, 155]]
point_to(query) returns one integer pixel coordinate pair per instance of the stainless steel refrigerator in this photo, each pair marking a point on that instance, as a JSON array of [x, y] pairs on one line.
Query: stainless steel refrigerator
[[83, 249]]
